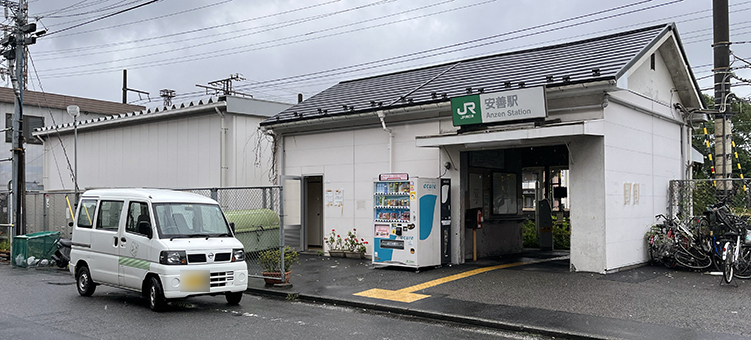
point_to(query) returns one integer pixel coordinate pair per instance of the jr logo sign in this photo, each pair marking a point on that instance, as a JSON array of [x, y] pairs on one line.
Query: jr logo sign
[[466, 110], [500, 107]]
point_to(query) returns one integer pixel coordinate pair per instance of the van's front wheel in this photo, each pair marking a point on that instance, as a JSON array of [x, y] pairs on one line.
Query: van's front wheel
[[84, 284], [234, 298], [157, 302]]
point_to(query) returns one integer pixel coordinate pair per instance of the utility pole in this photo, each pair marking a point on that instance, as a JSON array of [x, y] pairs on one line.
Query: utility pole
[[14, 50], [723, 125]]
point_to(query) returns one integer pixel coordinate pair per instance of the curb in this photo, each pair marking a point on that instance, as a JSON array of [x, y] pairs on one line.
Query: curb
[[487, 323]]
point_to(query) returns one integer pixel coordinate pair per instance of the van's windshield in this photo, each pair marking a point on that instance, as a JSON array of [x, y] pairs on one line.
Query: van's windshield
[[181, 220]]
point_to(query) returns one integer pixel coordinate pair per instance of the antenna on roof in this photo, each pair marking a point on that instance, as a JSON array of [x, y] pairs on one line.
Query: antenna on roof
[[126, 89], [167, 95], [225, 86]]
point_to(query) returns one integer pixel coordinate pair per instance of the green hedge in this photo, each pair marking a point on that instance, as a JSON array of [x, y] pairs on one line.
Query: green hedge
[[561, 235]]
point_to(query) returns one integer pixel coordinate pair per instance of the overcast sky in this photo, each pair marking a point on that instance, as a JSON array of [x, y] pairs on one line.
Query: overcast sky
[[287, 47]]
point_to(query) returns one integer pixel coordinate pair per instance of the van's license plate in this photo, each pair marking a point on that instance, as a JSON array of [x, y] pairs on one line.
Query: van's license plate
[[194, 281]]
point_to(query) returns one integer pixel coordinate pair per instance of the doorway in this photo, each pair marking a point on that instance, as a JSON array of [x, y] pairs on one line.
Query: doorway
[[314, 212]]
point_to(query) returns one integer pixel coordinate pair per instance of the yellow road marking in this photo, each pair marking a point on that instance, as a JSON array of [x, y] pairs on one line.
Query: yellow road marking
[[408, 294]]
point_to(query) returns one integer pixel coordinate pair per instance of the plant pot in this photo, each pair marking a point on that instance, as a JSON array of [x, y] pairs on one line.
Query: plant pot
[[273, 278], [354, 255], [336, 253]]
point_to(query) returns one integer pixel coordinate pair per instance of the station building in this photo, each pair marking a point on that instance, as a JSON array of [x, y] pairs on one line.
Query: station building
[[591, 130]]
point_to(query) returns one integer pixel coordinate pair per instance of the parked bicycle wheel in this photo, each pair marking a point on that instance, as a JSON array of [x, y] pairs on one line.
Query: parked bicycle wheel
[[729, 269], [743, 265]]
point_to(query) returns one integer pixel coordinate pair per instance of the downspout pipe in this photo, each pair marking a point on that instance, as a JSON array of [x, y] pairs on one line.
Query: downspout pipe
[[222, 147], [381, 116]]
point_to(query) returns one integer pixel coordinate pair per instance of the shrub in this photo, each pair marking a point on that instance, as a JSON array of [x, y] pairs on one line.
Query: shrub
[[529, 234], [561, 234], [271, 260]]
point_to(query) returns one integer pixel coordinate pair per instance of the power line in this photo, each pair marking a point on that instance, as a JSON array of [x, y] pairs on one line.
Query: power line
[[235, 36], [99, 29], [198, 29], [122, 3], [387, 61], [102, 17]]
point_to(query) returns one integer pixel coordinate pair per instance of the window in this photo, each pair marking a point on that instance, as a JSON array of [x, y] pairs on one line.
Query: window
[[86, 213], [29, 124], [184, 220], [504, 193], [109, 215], [652, 62], [137, 212]]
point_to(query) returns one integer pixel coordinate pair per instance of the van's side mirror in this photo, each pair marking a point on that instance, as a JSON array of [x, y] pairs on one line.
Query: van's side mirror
[[144, 228], [232, 226]]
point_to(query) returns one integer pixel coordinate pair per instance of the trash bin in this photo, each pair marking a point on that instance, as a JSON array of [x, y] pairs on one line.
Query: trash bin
[[257, 229], [31, 249]]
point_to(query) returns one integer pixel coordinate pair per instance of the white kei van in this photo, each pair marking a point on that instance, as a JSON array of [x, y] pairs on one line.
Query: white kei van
[[165, 244]]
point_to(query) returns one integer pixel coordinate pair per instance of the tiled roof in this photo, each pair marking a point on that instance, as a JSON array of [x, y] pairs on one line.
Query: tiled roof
[[57, 101], [583, 61]]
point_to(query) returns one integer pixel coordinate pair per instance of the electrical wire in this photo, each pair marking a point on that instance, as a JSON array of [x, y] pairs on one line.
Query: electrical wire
[[216, 41], [386, 61], [57, 132], [99, 29], [102, 17]]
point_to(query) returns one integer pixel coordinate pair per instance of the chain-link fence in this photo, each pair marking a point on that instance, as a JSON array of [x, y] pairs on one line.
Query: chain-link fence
[[255, 212], [50, 211], [692, 197]]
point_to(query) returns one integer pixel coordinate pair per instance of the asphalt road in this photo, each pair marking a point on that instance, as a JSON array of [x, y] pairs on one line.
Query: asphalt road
[[44, 304]]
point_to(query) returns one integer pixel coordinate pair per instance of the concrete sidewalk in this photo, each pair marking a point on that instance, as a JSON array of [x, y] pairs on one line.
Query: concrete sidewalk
[[534, 292]]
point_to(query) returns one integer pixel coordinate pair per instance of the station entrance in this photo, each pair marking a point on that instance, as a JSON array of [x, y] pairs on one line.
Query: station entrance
[[515, 200]]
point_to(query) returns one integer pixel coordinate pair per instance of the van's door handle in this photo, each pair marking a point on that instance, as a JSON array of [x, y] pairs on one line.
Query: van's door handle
[[115, 241]]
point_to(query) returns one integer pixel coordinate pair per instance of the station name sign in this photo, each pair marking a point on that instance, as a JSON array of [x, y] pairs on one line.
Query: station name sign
[[498, 107]]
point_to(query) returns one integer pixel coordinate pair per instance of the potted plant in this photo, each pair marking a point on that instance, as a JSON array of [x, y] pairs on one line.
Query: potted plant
[[271, 262], [335, 243], [5, 250], [355, 248]]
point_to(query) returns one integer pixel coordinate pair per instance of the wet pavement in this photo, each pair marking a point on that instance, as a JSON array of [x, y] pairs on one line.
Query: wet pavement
[[534, 292]]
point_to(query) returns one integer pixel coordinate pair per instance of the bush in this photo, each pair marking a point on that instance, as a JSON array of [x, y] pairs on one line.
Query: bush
[[271, 260], [529, 234], [561, 235]]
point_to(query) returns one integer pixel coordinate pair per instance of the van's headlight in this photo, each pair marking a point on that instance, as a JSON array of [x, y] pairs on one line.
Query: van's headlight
[[171, 257], [238, 255]]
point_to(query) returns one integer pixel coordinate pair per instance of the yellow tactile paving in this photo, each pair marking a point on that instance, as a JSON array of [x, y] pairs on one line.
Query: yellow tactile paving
[[408, 295]]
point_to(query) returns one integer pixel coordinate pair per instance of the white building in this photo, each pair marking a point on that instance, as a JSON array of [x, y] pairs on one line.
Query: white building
[[46, 109], [611, 110], [208, 143]]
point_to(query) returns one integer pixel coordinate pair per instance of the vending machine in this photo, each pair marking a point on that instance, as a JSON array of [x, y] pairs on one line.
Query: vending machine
[[406, 221]]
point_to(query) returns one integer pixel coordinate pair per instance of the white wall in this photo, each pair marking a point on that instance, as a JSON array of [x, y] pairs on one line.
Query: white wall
[[178, 153], [587, 197], [248, 152], [642, 150], [351, 160], [655, 84]]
